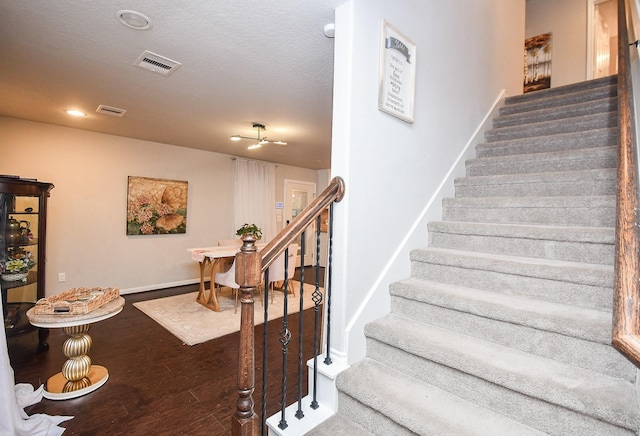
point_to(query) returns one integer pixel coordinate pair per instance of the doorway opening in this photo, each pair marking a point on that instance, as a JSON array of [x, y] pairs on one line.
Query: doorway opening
[[602, 38], [297, 196]]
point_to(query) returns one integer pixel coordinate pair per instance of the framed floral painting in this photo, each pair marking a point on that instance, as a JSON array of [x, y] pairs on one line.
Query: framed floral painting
[[156, 206]]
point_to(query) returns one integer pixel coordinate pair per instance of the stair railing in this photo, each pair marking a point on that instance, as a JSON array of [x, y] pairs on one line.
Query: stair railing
[[251, 265], [626, 298]]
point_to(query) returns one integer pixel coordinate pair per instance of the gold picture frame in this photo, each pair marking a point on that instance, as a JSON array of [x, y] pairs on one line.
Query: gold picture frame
[[156, 206]]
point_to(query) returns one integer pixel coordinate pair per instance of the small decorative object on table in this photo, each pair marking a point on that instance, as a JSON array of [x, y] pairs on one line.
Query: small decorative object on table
[[249, 229], [75, 301], [17, 266]]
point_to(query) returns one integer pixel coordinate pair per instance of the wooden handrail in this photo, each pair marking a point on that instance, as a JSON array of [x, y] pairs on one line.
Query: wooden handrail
[[333, 192], [250, 265], [626, 289]]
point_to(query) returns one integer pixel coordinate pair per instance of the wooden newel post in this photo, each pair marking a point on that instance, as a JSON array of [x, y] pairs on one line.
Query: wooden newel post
[[248, 274]]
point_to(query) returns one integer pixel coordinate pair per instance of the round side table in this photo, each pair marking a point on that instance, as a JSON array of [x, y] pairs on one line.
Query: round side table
[[78, 376]]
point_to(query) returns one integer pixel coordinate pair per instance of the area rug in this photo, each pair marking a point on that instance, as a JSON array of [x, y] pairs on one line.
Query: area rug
[[193, 323]]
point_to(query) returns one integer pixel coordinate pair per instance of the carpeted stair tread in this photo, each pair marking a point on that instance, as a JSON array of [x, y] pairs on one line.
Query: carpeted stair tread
[[606, 104], [572, 335], [557, 270], [591, 235], [562, 183], [576, 244], [339, 425], [421, 409], [531, 376], [546, 128], [581, 285], [590, 158], [587, 324], [529, 102], [581, 90], [587, 211], [607, 137]]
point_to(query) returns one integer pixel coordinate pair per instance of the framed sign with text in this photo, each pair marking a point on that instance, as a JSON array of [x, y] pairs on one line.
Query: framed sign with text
[[397, 74]]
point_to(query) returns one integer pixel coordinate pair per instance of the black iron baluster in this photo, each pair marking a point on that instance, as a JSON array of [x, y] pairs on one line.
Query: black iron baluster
[[285, 337], [299, 412], [265, 299], [327, 288], [317, 299]]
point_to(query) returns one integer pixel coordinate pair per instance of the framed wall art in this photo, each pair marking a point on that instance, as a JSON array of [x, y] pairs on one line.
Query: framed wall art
[[156, 206], [537, 62], [397, 73]]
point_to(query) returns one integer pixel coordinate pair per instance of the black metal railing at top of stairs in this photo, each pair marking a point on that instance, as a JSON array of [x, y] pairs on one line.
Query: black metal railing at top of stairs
[[252, 266], [626, 290]]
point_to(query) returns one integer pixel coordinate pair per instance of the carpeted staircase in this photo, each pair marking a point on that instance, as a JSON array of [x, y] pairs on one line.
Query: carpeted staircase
[[504, 326]]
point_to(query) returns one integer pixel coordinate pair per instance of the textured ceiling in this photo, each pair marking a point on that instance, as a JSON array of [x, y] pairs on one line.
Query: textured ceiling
[[243, 61]]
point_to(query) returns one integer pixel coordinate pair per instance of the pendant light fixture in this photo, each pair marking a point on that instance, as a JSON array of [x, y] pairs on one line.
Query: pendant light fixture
[[260, 140]]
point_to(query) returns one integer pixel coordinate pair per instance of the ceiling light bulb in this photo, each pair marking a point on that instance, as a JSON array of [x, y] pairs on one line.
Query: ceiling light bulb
[[280, 142], [235, 138], [263, 141], [75, 113], [254, 146]]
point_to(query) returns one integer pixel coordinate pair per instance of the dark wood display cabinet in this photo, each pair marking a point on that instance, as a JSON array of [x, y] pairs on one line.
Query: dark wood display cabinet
[[23, 220]]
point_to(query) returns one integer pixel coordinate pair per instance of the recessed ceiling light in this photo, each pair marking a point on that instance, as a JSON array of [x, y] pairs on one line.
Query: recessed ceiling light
[[76, 113], [134, 20]]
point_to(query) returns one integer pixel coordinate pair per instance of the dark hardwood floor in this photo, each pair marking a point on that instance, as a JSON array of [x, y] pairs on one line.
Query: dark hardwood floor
[[156, 384]]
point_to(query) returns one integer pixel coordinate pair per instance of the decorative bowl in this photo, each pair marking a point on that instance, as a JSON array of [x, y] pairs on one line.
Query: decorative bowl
[[12, 277]]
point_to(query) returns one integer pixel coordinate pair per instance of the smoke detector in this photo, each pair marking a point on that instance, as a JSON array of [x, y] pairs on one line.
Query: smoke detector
[[156, 63]]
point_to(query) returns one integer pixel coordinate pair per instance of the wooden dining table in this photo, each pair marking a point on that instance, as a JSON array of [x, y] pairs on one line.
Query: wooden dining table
[[214, 257]]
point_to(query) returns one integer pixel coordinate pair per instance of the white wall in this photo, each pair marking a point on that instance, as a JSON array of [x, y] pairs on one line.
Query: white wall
[[86, 223], [567, 20], [468, 52]]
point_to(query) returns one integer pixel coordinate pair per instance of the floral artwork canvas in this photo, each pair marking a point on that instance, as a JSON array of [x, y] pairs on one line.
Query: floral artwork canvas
[[156, 206]]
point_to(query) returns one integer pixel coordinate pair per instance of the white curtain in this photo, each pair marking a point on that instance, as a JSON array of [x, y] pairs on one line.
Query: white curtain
[[255, 196], [14, 398]]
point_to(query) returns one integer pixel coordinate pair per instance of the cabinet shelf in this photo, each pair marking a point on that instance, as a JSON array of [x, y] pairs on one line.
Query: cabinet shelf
[[16, 196], [32, 277], [28, 243]]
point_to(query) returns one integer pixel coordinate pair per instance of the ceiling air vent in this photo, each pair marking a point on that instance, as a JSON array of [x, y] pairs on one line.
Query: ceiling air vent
[[109, 110], [156, 63]]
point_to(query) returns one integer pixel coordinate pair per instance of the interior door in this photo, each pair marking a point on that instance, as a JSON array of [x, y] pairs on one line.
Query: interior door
[[297, 196]]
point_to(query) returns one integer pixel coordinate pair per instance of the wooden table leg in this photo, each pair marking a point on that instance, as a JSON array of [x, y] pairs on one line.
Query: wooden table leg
[[203, 265], [210, 301]]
